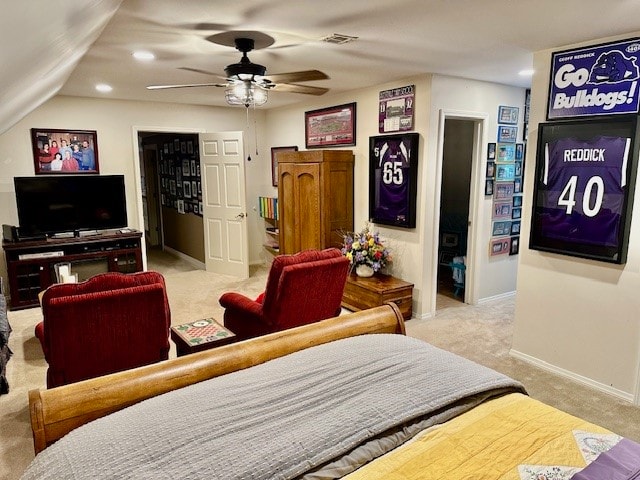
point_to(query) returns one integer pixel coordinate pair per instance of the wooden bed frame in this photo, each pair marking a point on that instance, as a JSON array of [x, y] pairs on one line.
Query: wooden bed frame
[[57, 411]]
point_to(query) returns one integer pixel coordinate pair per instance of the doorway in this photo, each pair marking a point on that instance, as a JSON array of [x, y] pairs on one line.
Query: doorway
[[455, 192]]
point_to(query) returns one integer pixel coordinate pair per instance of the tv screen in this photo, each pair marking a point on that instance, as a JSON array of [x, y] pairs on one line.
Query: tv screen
[[49, 205]]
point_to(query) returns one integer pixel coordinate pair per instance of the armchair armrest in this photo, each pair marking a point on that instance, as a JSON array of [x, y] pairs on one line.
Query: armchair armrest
[[241, 304]]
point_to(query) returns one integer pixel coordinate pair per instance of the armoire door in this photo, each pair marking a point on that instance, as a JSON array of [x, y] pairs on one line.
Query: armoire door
[[299, 194]]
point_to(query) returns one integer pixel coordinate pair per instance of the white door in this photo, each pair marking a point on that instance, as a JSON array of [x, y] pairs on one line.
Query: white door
[[223, 196]]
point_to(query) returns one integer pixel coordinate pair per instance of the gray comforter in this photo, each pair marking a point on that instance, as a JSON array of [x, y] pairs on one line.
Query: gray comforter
[[281, 419]]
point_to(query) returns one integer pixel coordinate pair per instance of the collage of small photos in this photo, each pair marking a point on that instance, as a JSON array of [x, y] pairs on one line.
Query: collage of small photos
[[180, 184], [504, 182]]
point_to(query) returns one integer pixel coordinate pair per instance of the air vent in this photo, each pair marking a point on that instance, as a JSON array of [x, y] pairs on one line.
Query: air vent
[[339, 39]]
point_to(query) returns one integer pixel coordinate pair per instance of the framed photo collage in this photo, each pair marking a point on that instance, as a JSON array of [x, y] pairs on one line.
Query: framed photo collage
[[503, 183]]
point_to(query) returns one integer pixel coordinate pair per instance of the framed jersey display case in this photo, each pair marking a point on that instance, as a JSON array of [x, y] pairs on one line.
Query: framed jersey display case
[[584, 186], [393, 179]]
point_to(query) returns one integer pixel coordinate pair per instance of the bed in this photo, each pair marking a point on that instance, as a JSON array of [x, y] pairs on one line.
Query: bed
[[348, 397]]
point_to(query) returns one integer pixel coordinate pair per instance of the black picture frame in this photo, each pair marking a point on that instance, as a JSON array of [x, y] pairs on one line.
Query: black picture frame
[[330, 127], [393, 179], [514, 248], [274, 161], [579, 211], [488, 187], [83, 160]]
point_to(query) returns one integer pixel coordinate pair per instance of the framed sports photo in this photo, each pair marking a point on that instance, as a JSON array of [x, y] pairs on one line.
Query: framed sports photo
[[506, 152], [393, 179], [508, 115], [583, 193], [330, 127], [507, 134]]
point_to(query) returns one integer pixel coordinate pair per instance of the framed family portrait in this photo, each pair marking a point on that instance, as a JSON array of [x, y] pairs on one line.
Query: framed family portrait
[[583, 193], [393, 179], [57, 151], [274, 161], [330, 127]]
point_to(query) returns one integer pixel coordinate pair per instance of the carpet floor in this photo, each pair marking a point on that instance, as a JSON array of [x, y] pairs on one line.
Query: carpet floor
[[481, 333]]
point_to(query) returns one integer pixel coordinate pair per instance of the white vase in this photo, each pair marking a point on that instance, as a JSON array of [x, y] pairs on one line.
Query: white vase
[[364, 270]]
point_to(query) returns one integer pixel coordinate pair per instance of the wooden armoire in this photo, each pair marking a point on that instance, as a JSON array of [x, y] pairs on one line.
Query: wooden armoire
[[315, 198]]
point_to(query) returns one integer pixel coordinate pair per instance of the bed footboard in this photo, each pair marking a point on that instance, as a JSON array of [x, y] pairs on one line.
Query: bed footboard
[[57, 411]]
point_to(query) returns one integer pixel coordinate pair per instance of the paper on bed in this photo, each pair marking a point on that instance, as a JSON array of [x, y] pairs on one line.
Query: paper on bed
[[277, 420]]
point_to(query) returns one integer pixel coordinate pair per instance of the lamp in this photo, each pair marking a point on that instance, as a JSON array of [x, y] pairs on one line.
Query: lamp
[[244, 92]]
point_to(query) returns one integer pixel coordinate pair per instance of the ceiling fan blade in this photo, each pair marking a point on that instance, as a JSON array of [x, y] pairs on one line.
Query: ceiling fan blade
[[197, 70], [164, 87], [294, 88], [303, 76]]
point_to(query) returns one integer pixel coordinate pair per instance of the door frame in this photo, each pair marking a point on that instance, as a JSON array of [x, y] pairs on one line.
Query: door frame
[[136, 172], [476, 189]]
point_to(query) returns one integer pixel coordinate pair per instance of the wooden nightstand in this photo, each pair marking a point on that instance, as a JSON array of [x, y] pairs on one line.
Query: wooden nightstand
[[367, 292]]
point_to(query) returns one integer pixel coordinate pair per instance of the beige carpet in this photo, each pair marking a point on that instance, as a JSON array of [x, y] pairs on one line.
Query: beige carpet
[[481, 333]]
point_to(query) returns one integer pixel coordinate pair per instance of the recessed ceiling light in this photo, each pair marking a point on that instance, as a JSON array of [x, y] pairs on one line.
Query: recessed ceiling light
[[143, 55], [103, 87], [526, 73]]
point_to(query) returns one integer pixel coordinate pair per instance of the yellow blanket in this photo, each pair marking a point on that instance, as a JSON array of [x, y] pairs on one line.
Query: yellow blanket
[[512, 438]]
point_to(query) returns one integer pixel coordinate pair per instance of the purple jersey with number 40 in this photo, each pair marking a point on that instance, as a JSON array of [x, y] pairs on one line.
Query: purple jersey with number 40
[[392, 181], [582, 189]]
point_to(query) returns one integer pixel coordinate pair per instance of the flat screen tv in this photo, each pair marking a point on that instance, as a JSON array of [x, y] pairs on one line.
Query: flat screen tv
[[72, 203]]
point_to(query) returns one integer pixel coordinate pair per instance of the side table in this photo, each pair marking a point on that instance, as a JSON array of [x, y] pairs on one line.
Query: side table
[[367, 292], [200, 335]]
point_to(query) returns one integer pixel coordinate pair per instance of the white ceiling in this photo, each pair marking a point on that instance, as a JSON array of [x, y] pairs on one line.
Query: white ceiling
[[47, 41]]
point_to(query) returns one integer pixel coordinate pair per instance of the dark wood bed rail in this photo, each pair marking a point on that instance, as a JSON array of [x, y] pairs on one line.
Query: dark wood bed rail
[[57, 411]]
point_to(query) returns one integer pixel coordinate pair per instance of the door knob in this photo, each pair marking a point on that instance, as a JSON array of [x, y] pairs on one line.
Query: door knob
[[240, 215]]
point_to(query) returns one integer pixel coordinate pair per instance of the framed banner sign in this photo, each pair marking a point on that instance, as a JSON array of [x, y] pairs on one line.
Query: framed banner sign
[[585, 175], [596, 80], [393, 179], [330, 127]]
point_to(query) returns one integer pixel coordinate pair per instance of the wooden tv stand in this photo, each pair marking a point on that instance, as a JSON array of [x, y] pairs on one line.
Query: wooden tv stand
[[31, 264]]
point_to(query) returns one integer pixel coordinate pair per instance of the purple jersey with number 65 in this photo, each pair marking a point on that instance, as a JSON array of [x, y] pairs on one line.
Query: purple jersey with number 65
[[392, 181], [582, 189]]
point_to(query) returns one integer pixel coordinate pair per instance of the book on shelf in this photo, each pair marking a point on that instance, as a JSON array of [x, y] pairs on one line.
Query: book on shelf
[[268, 207]]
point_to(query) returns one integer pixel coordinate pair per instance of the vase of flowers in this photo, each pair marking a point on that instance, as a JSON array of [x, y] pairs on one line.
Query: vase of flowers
[[365, 251]]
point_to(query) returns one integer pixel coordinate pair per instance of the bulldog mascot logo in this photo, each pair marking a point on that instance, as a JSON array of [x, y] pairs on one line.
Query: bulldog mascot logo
[[613, 67]]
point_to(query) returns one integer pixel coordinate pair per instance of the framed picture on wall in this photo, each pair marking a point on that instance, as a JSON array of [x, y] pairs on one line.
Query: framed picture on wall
[[499, 246], [393, 179], [507, 134], [508, 115], [274, 161], [583, 193], [57, 151], [330, 127]]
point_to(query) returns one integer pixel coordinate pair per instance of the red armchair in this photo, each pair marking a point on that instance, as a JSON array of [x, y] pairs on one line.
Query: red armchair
[[109, 323], [301, 288]]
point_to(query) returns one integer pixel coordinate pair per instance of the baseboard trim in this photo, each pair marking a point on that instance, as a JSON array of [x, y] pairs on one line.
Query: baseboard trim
[[496, 297], [196, 263], [629, 397]]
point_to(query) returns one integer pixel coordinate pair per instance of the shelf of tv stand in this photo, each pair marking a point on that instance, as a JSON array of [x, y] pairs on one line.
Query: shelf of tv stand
[[31, 263]]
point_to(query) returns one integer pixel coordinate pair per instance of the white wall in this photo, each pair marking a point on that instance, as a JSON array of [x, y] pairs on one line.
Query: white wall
[[577, 317], [285, 126], [414, 250], [470, 98], [114, 121]]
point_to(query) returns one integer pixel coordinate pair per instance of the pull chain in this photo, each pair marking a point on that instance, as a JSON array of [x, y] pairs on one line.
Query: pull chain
[[248, 126]]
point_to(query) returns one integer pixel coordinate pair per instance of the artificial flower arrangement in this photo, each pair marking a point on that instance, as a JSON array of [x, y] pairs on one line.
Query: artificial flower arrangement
[[365, 248]]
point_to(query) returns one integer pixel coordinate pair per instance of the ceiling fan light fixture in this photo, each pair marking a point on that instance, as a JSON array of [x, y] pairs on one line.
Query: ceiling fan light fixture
[[247, 94]]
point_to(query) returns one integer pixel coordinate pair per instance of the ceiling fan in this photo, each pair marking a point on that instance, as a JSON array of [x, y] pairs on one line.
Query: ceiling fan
[[247, 83]]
